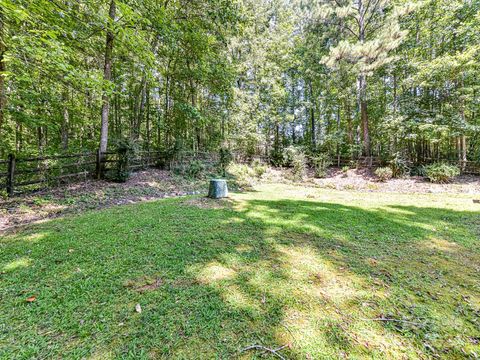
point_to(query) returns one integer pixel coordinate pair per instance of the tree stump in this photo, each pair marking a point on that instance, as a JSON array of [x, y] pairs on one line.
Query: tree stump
[[218, 189]]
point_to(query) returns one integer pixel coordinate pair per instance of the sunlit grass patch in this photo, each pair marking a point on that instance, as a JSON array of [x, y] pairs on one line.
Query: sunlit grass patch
[[214, 272], [17, 264]]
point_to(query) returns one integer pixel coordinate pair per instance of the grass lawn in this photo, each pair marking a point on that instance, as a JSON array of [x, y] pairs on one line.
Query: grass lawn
[[330, 274]]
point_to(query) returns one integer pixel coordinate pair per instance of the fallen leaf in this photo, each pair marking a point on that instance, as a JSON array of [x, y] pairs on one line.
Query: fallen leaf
[[138, 308]]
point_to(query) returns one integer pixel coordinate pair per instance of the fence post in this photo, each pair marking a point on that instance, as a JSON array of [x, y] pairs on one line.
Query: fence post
[[11, 175]]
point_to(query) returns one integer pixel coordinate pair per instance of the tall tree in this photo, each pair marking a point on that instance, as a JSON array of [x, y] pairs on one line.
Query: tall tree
[[107, 76], [369, 30], [3, 68]]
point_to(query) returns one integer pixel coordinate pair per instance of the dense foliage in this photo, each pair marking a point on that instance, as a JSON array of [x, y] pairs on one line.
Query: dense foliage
[[441, 173], [346, 78]]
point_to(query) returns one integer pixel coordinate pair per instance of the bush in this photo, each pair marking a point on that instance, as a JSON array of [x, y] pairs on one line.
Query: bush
[[441, 172], [399, 166], [285, 157], [289, 154], [299, 163], [125, 149], [243, 174], [418, 171], [258, 168], [225, 158], [195, 169], [384, 173], [276, 158], [345, 171], [321, 162]]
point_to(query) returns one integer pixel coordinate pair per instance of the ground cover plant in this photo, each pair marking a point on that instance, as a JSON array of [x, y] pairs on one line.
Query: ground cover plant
[[318, 272]]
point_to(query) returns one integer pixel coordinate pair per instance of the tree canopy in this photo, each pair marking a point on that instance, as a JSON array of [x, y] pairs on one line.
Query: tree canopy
[[348, 78]]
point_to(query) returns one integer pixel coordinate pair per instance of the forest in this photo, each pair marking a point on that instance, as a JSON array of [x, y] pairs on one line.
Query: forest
[[345, 78]]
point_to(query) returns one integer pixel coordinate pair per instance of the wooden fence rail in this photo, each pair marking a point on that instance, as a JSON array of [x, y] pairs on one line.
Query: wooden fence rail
[[22, 174]]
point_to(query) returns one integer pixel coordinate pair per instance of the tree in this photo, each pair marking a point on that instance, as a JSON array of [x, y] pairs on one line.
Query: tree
[[107, 76], [369, 30]]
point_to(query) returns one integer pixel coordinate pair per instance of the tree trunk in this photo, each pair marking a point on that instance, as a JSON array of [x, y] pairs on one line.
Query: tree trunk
[[362, 84], [41, 139], [3, 49], [464, 152], [338, 132], [107, 76], [294, 129], [197, 140], [349, 122], [18, 137], [147, 99], [463, 138], [139, 113], [65, 122], [312, 117], [166, 110], [64, 135]]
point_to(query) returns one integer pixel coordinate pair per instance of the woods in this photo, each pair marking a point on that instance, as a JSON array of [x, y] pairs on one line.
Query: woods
[[383, 78]]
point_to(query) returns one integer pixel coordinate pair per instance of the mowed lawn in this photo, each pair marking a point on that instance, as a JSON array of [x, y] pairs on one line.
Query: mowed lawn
[[326, 274]]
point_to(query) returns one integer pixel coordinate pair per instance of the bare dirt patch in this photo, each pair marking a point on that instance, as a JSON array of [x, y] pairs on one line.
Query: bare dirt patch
[[364, 180], [142, 186], [144, 284]]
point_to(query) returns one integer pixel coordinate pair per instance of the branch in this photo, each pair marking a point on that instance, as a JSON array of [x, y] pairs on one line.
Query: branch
[[351, 31], [366, 9], [372, 14]]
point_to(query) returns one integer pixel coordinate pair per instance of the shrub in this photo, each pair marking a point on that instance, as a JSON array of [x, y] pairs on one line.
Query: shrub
[[285, 157], [225, 158], [195, 169], [243, 174], [299, 163], [384, 173], [125, 149], [276, 158], [345, 171], [321, 162], [441, 172], [289, 154], [399, 166], [258, 168], [418, 171]]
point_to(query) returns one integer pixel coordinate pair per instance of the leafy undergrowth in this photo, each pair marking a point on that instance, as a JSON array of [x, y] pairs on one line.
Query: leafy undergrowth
[[320, 273]]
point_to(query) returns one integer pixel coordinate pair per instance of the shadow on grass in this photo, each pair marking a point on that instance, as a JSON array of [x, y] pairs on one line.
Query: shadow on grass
[[320, 277]]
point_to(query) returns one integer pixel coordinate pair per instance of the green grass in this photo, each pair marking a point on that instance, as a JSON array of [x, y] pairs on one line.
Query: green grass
[[310, 268]]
